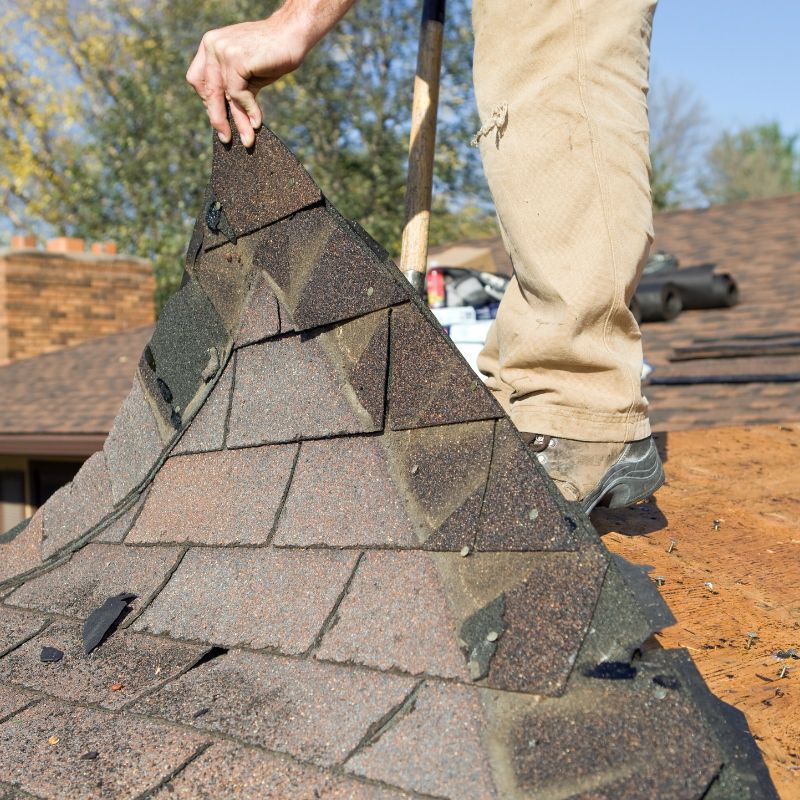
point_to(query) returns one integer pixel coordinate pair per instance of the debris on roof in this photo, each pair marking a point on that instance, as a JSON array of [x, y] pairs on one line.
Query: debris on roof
[[346, 575]]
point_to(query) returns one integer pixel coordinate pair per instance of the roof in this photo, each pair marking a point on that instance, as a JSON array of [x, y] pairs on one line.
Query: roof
[[65, 402], [758, 243], [320, 562]]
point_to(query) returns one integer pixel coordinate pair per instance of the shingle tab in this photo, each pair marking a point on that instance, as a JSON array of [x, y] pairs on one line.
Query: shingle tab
[[442, 471], [436, 747], [333, 494], [325, 272], [134, 444], [94, 574], [228, 497], [430, 383], [122, 668], [225, 276], [228, 770], [315, 712], [258, 186], [77, 507], [253, 597], [12, 700], [21, 548], [311, 375], [43, 748], [520, 510], [261, 318], [188, 334], [396, 616], [115, 531], [17, 626], [631, 739], [546, 618], [207, 430]]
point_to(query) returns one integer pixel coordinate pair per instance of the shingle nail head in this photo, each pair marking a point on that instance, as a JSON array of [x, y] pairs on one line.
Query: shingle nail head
[[492, 636], [465, 551], [660, 580]]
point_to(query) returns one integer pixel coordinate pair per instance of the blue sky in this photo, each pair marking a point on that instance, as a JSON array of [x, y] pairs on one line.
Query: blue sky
[[741, 57]]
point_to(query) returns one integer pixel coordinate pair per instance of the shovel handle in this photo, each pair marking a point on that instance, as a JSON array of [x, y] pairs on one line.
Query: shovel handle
[[419, 188]]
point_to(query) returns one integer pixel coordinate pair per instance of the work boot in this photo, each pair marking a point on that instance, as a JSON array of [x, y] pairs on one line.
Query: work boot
[[613, 474]]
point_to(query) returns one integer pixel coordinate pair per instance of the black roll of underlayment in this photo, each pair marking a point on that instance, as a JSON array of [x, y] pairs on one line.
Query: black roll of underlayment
[[656, 302], [699, 287]]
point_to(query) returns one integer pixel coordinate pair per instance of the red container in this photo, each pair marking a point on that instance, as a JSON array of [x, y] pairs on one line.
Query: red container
[[436, 292]]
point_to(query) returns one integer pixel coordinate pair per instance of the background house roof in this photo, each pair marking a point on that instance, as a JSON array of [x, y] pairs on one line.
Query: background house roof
[[64, 402]]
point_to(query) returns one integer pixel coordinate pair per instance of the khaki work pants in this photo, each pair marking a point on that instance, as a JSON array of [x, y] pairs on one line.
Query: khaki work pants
[[561, 88]]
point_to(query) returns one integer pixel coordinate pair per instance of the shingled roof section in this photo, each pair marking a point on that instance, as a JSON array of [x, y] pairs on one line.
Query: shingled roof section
[[343, 575]]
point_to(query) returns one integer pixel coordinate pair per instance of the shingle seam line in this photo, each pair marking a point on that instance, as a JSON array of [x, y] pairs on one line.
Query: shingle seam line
[[333, 613], [148, 793], [157, 591]]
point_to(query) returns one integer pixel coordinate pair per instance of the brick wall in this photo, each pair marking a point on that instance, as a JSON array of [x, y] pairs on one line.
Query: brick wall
[[50, 300]]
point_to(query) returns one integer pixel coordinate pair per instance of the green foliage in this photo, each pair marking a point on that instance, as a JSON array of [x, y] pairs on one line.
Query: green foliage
[[760, 161], [101, 137]]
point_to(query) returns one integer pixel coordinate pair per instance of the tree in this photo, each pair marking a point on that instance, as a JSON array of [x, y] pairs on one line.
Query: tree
[[101, 137], [760, 161], [678, 122]]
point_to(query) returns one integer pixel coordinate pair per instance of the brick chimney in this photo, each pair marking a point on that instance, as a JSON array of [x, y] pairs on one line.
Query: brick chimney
[[63, 296], [23, 242], [64, 244]]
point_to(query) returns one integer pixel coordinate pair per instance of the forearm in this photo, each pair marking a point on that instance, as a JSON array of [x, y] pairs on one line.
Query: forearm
[[312, 19]]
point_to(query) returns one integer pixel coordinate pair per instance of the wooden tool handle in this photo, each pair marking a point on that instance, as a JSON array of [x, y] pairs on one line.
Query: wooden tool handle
[[414, 254]]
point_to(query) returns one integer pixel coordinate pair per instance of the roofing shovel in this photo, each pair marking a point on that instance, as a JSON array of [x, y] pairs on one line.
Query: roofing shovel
[[419, 188]]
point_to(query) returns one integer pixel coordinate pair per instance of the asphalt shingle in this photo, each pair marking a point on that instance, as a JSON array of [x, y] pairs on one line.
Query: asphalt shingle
[[123, 667], [228, 497], [78, 506], [57, 750], [316, 712], [309, 374], [95, 573], [259, 598]]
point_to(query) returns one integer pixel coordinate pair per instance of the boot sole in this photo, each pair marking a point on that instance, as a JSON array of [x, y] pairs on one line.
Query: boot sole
[[627, 483]]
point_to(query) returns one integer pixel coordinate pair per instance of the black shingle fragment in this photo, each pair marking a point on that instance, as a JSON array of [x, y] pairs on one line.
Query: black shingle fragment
[[102, 620], [188, 328], [50, 655]]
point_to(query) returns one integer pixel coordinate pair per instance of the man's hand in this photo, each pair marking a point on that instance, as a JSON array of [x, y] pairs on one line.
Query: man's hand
[[234, 63]]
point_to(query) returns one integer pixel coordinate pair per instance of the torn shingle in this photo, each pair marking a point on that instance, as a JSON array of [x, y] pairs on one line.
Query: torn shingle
[[258, 186]]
